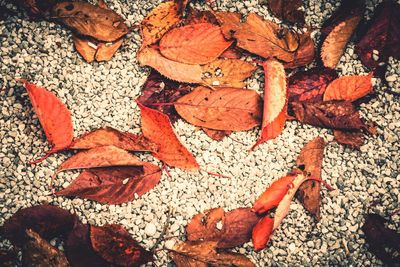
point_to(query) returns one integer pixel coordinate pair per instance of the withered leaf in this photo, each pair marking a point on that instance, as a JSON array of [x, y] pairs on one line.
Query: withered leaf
[[157, 128], [92, 50], [289, 10], [109, 136], [349, 88], [216, 134], [195, 16], [351, 139], [203, 226], [114, 244], [229, 109], [262, 233], [305, 54], [37, 8], [91, 20]]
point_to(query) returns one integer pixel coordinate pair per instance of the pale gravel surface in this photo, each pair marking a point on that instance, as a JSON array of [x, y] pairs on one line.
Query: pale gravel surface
[[101, 94]]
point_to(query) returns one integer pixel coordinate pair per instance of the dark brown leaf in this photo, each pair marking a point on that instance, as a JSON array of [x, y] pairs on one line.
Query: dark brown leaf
[[216, 134], [352, 139], [289, 10]]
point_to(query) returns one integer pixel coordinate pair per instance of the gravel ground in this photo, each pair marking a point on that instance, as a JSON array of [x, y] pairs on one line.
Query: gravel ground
[[102, 94]]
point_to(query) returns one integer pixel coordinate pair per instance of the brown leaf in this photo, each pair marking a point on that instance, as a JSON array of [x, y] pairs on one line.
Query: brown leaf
[[158, 22], [112, 137], [203, 226], [349, 88], [216, 134], [157, 128], [229, 109], [114, 185], [198, 43], [336, 41], [38, 252], [305, 54], [90, 20], [114, 244], [195, 16], [289, 10], [352, 139], [311, 157]]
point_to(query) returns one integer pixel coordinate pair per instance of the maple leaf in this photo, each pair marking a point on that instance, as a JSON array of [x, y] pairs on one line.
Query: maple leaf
[[90, 20], [262, 233], [275, 101], [289, 10], [114, 244], [229, 109], [352, 139], [109, 136], [92, 50], [114, 185], [198, 43], [382, 35], [349, 88], [310, 85], [53, 115], [157, 128]]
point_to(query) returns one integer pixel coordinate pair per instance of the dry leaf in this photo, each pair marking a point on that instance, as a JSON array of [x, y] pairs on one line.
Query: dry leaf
[[91, 50], [195, 16], [275, 101], [262, 233], [349, 88], [229, 109], [289, 10], [198, 43], [203, 226], [37, 8], [157, 128], [216, 134], [305, 54], [351, 139]]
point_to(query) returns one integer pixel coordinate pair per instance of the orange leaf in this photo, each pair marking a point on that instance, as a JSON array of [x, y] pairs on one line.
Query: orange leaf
[[157, 128], [194, 44], [158, 22], [91, 50], [348, 88], [336, 41], [229, 109], [275, 101], [262, 232], [53, 115], [273, 194]]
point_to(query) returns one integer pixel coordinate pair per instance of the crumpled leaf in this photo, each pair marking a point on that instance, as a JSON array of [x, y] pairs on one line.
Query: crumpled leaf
[[351, 139], [229, 109], [114, 244], [92, 50], [336, 41], [216, 134], [198, 43], [273, 194], [114, 185], [230, 229], [289, 10], [46, 220], [262, 233], [311, 157], [158, 22], [157, 128], [310, 85], [157, 89], [109, 136], [383, 35], [275, 101], [91, 20], [205, 252], [339, 115], [305, 54], [382, 241], [349, 88], [53, 115], [38, 252], [258, 36]]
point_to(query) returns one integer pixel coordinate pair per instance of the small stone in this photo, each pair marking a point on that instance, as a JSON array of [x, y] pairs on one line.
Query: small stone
[[150, 229], [391, 78]]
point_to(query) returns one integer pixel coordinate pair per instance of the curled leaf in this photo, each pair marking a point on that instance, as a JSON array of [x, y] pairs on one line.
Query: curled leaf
[[305, 54], [262, 233], [92, 50], [349, 88]]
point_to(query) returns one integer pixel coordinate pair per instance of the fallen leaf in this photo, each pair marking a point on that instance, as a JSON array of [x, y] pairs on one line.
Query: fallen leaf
[[114, 185], [229, 109], [289, 10], [339, 115], [195, 16], [203, 226], [9, 257], [92, 50], [305, 54], [114, 244], [352, 139], [111, 137], [48, 221], [382, 35], [157, 128], [349, 88], [37, 8], [216, 134], [258, 36], [182, 5], [336, 41], [198, 43], [159, 21], [85, 48], [273, 194], [262, 233], [382, 241], [91, 20], [205, 251], [275, 101], [311, 157], [310, 85], [53, 115], [232, 53], [38, 252]]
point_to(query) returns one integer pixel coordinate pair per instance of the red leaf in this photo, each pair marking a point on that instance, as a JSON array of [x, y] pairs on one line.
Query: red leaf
[[216, 134], [275, 101], [53, 115], [273, 194], [349, 88], [114, 185], [262, 232], [157, 128], [114, 244]]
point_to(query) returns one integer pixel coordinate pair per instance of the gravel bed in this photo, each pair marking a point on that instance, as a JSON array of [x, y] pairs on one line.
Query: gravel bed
[[103, 94]]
